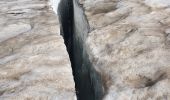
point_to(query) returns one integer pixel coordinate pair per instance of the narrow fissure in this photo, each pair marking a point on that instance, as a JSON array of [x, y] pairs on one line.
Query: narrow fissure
[[74, 29]]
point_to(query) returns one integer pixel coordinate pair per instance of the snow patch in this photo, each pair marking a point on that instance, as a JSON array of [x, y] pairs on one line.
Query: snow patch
[[54, 5], [158, 3]]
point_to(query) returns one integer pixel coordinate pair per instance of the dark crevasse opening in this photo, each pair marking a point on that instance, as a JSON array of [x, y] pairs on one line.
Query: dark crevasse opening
[[74, 29]]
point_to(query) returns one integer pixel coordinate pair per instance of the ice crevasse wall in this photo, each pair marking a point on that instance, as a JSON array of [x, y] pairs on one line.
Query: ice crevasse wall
[[129, 46]]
